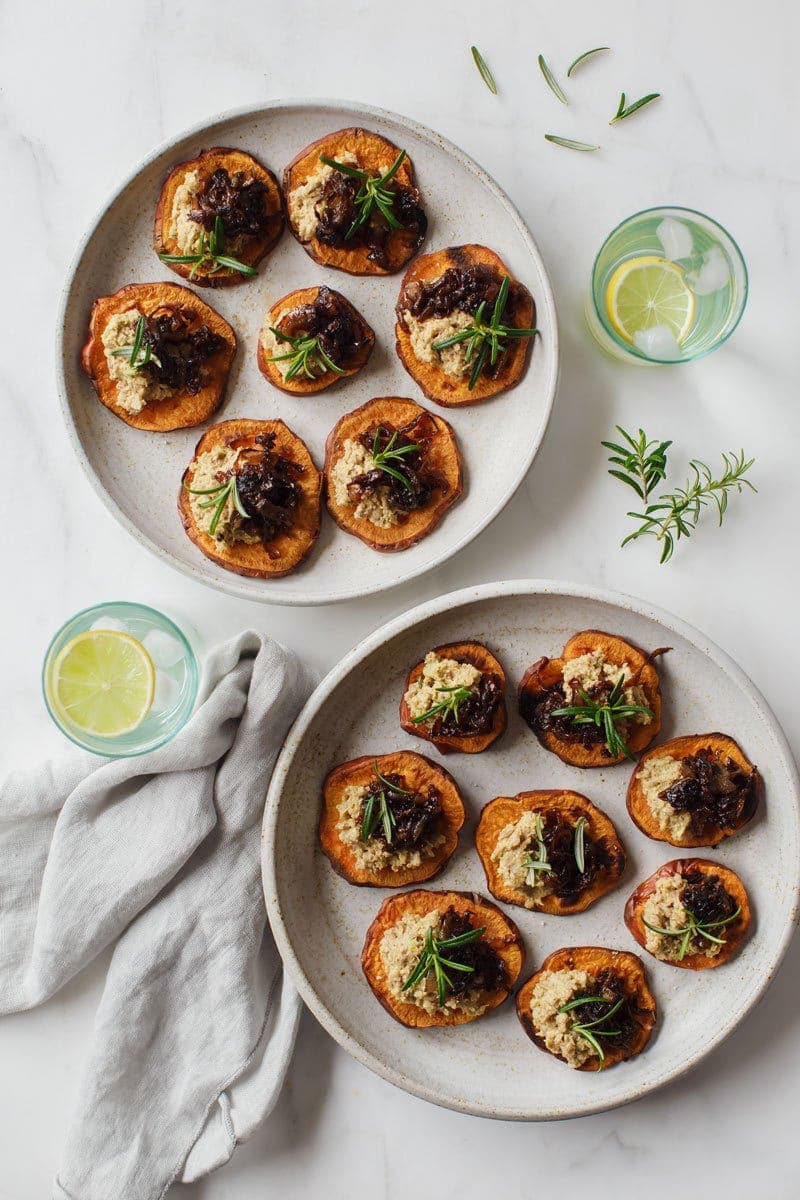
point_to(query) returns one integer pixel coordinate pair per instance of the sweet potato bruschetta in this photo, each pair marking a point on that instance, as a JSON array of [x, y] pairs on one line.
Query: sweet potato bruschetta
[[589, 1006], [353, 204], [157, 356], [311, 339], [217, 216], [390, 820], [690, 913], [598, 704], [464, 325], [551, 851], [392, 470], [441, 958], [250, 498], [694, 791], [455, 698]]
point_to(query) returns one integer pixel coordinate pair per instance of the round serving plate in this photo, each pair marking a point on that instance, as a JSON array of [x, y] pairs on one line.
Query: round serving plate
[[490, 1068], [137, 474]]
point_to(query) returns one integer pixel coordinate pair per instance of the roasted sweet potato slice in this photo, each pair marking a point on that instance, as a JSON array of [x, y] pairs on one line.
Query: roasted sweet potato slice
[[300, 384], [419, 774], [435, 382], [628, 968], [286, 551], [485, 662], [734, 933], [182, 409], [507, 810], [501, 934], [245, 248], [547, 673], [374, 154], [715, 745], [442, 459]]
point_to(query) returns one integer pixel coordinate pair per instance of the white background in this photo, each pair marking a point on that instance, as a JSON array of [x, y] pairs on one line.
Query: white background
[[87, 88]]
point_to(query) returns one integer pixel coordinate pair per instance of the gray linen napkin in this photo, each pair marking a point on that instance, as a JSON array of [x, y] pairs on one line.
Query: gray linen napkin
[[159, 854]]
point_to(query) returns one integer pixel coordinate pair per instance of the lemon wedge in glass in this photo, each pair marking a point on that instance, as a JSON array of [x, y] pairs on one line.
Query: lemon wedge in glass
[[648, 291], [102, 682]]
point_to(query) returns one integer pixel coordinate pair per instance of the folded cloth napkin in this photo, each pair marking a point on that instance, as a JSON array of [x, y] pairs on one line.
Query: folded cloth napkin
[[159, 854]]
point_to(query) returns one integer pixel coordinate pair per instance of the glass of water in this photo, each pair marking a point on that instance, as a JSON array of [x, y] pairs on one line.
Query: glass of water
[[668, 286]]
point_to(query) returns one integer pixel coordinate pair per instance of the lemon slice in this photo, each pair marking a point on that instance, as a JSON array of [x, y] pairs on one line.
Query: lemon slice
[[102, 682], [648, 291]]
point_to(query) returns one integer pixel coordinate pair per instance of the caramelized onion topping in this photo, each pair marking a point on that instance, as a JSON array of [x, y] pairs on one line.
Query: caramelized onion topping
[[413, 484], [475, 714], [568, 882], [331, 321], [238, 200], [336, 210], [714, 791], [416, 816], [488, 969], [268, 489], [178, 350]]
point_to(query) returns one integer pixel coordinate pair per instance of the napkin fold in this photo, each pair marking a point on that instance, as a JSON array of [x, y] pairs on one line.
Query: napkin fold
[[159, 854]]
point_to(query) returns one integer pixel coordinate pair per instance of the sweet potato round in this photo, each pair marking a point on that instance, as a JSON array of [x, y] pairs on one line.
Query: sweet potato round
[[174, 412], [287, 550], [501, 934], [442, 455], [593, 959], [548, 672], [507, 810], [483, 660], [420, 773], [300, 386], [685, 747], [375, 154], [436, 384], [251, 249], [735, 933]]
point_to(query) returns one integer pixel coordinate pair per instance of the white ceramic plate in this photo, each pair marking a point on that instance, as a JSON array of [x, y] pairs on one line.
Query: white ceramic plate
[[490, 1067], [137, 474]]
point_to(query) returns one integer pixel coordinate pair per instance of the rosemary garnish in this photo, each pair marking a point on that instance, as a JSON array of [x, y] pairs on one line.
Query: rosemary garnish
[[377, 809], [579, 844], [606, 715], [623, 111], [447, 707], [569, 143], [306, 356], [140, 353], [592, 1031], [372, 194], [551, 81], [538, 861], [485, 341], [218, 497], [583, 57], [640, 463], [431, 960], [485, 73], [700, 928], [384, 459], [212, 250]]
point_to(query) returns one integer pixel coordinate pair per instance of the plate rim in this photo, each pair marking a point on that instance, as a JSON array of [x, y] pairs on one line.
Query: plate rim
[[232, 584], [380, 637]]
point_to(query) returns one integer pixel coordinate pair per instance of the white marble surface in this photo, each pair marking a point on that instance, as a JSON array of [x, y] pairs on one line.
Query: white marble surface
[[86, 89]]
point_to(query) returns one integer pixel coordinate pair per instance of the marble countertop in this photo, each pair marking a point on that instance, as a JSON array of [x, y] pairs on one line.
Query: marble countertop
[[89, 88]]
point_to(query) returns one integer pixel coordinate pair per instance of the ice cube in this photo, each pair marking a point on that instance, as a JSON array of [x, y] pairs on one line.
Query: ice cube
[[109, 623], [675, 238], [165, 651], [713, 274], [657, 342], [166, 692]]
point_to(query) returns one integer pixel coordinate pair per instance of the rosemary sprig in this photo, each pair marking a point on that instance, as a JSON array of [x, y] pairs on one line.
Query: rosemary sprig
[[218, 497], [140, 353], [675, 514], [579, 844], [640, 463], [431, 959], [569, 143], [212, 250], [377, 809], [592, 1031], [306, 356], [447, 707], [486, 341], [694, 927], [576, 62], [373, 193], [551, 81], [485, 73], [538, 861], [624, 111], [606, 715], [392, 453]]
